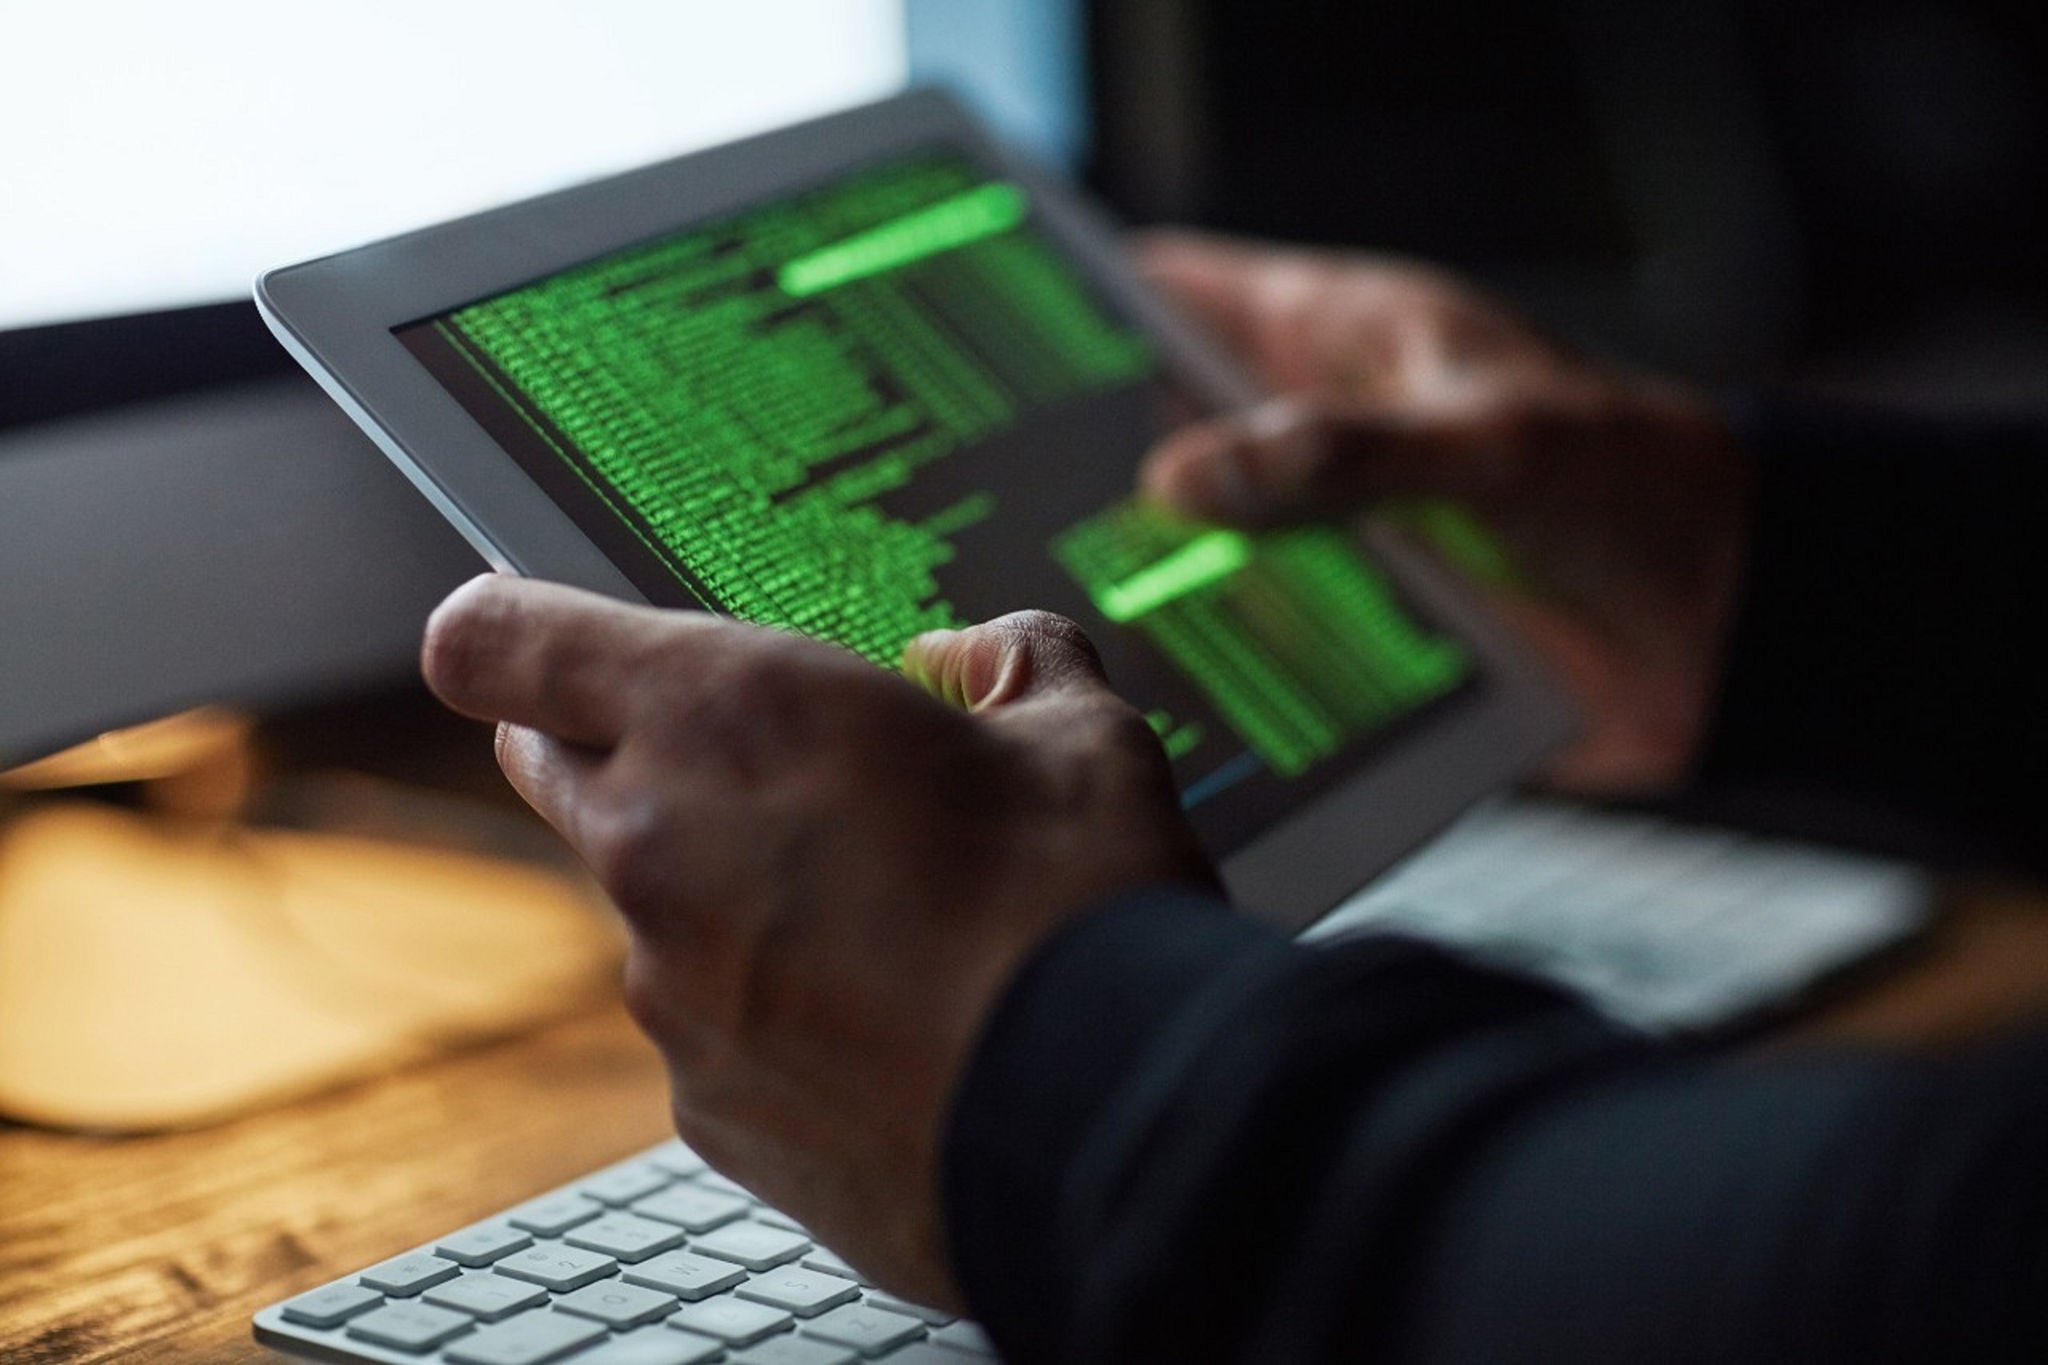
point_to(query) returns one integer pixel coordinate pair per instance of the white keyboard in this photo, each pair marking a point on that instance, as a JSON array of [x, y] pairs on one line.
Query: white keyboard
[[1661, 926], [655, 1261], [660, 1261]]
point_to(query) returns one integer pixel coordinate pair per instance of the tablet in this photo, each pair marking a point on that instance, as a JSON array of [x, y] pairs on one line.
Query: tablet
[[874, 375]]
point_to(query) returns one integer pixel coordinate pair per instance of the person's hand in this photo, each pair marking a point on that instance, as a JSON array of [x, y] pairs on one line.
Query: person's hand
[[828, 873], [1619, 502]]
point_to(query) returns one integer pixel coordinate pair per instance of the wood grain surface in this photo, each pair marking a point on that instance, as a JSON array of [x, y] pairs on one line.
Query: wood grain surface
[[159, 1249]]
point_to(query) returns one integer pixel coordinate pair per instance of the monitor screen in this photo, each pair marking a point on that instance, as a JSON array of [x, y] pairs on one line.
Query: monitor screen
[[160, 155], [890, 404]]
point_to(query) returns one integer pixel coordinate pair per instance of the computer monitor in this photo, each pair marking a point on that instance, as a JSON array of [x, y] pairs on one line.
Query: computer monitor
[[183, 519]]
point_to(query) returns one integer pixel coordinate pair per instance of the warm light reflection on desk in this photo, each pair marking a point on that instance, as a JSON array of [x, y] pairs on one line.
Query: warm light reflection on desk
[[174, 965]]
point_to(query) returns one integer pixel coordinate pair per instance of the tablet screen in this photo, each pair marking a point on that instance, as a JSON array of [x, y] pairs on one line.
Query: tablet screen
[[891, 404]]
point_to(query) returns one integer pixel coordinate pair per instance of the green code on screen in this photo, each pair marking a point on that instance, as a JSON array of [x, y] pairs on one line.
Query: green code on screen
[[1294, 637], [744, 394]]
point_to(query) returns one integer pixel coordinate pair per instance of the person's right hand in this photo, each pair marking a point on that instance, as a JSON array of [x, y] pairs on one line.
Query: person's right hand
[[1620, 502]]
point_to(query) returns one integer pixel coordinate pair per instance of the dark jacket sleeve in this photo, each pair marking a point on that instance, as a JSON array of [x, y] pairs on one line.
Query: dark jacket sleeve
[[1184, 1138], [1883, 650]]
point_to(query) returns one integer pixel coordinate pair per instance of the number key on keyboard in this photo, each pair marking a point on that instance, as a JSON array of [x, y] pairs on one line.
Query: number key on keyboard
[[920, 1353], [409, 1326], [624, 1184], [486, 1296], [754, 1245], [931, 1316], [688, 1206], [560, 1268], [723, 1184], [794, 1351], [686, 1275], [819, 1258], [625, 1236], [677, 1159], [964, 1336], [405, 1276], [529, 1339], [805, 1293], [870, 1331], [331, 1305], [655, 1346], [482, 1244], [555, 1214], [732, 1320], [617, 1304]]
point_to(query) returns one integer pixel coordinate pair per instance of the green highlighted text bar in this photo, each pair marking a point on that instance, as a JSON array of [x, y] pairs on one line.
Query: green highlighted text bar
[[1211, 556], [985, 211]]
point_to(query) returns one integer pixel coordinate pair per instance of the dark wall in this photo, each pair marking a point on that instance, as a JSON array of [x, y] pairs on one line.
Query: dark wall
[[1836, 193]]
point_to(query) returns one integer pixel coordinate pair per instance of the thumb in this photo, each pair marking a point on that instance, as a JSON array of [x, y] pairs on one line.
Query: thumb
[[1005, 661], [1301, 460]]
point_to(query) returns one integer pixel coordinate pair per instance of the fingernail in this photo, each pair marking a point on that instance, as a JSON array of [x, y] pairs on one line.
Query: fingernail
[[921, 647]]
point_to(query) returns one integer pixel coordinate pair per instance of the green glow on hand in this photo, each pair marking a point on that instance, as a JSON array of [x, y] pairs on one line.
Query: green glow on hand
[[1456, 533], [985, 211], [1208, 558]]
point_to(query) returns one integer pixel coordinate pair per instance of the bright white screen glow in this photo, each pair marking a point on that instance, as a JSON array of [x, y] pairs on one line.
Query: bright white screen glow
[[160, 154]]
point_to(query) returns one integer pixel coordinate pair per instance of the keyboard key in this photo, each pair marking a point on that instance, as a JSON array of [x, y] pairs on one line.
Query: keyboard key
[[754, 1245], [529, 1339], [732, 1320], [965, 1337], [655, 1346], [712, 1180], [483, 1244], [554, 1214], [870, 1331], [409, 1326], [920, 1353], [331, 1305], [625, 1236], [818, 1258], [805, 1293], [406, 1276], [777, 1218], [560, 1268], [794, 1351], [686, 1275], [617, 1304], [688, 1206], [677, 1159], [621, 1185], [486, 1296], [931, 1316]]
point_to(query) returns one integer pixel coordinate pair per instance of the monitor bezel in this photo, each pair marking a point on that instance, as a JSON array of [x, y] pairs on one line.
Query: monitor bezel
[[339, 316]]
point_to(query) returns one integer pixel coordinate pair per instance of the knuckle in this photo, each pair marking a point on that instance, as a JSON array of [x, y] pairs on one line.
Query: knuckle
[[1050, 628], [625, 846], [648, 999]]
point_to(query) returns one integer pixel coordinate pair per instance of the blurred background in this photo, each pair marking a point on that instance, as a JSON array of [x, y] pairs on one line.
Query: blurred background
[[1843, 195], [1835, 198], [1824, 196]]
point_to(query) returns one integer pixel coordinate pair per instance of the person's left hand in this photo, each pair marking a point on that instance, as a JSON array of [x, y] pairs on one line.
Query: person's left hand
[[828, 874]]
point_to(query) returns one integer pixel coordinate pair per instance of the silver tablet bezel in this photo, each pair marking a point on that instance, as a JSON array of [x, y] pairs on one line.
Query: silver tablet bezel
[[338, 315]]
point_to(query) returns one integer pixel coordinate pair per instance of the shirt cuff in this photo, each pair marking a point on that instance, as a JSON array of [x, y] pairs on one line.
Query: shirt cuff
[[1088, 1016]]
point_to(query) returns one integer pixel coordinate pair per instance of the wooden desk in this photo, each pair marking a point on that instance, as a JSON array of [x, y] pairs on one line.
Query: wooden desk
[[159, 1249]]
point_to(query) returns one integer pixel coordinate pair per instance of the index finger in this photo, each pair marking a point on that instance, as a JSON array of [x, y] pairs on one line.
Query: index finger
[[536, 654], [1219, 280]]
